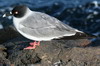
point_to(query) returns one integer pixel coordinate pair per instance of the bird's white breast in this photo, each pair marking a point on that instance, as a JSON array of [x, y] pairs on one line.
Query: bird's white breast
[[16, 22]]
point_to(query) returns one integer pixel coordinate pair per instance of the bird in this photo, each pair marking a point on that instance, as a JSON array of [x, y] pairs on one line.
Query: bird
[[39, 26]]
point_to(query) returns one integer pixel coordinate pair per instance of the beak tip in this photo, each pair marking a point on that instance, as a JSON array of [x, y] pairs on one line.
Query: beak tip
[[4, 15]]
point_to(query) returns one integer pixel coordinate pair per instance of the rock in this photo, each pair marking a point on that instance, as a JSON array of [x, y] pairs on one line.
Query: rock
[[3, 60], [2, 47], [52, 53], [2, 53], [25, 57], [55, 54], [88, 56], [8, 33]]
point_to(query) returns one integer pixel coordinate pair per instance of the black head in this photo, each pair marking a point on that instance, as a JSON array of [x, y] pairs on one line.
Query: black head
[[19, 11]]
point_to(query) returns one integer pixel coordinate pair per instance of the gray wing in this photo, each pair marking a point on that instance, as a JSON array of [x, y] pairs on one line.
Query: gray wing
[[42, 25]]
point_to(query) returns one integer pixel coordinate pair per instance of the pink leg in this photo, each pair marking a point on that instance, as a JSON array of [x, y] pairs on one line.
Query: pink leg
[[33, 45]]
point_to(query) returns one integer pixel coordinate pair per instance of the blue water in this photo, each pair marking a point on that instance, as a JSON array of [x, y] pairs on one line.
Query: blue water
[[80, 14]]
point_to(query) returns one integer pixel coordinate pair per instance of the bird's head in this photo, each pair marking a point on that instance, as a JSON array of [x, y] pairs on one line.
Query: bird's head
[[18, 11]]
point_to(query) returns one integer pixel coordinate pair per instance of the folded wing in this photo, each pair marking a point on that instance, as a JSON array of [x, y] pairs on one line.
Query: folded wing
[[41, 25]]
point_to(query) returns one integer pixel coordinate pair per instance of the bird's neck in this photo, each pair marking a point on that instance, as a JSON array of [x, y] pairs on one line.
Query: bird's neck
[[16, 21]]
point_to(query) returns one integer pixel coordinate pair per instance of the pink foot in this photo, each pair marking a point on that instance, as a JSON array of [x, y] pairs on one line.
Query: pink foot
[[33, 45]]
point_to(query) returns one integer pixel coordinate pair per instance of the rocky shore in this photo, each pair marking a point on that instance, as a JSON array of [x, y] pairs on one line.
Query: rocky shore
[[50, 53]]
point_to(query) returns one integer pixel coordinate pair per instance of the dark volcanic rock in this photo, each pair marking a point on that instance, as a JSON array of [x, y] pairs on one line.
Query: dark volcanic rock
[[3, 54], [54, 53], [25, 57]]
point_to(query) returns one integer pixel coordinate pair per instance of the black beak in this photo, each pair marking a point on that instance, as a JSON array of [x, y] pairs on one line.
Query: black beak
[[7, 14]]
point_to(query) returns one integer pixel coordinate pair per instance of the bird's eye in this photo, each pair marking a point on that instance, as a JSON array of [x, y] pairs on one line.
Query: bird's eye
[[16, 12]]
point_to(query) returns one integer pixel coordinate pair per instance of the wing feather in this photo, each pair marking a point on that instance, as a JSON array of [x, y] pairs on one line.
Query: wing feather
[[42, 26]]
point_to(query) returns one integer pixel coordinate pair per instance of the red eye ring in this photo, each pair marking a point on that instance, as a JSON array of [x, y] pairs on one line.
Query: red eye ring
[[16, 12]]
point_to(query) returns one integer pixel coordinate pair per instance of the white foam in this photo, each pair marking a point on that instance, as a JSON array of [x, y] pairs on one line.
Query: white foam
[[1, 26], [95, 13], [89, 16], [9, 17], [95, 3]]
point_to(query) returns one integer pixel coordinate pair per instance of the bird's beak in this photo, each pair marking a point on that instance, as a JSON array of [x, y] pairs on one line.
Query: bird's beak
[[7, 14]]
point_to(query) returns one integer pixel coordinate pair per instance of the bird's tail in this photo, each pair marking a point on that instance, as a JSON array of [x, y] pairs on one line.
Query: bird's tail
[[84, 35], [78, 35]]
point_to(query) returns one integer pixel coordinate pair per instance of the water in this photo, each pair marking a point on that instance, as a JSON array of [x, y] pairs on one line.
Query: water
[[80, 14]]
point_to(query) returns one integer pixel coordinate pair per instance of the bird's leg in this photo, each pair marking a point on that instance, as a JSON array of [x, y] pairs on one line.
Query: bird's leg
[[33, 45]]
